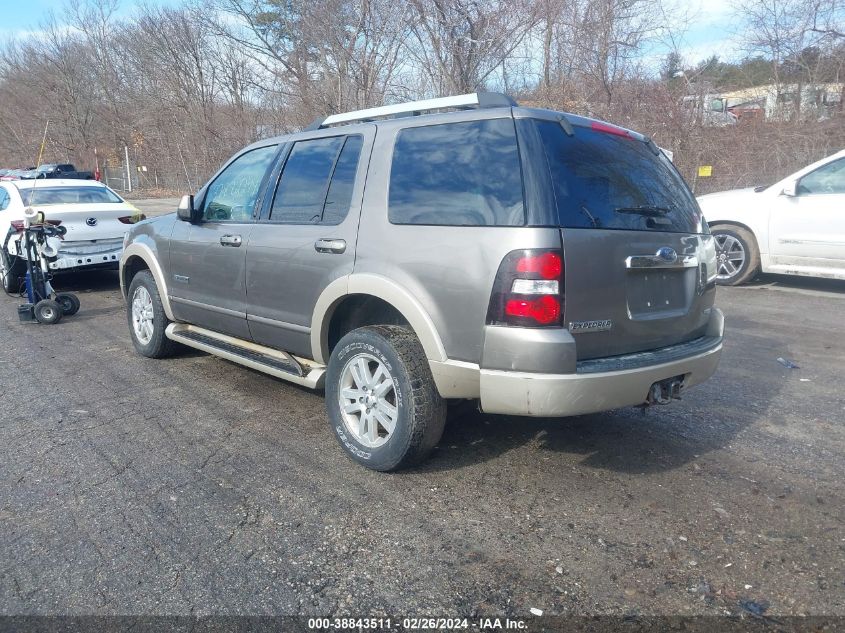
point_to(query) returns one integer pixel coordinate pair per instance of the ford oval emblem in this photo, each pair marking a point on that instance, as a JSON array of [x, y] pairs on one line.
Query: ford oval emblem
[[667, 254], [93, 222]]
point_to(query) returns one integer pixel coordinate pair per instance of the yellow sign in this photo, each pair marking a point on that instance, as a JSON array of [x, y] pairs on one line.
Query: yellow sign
[[705, 171]]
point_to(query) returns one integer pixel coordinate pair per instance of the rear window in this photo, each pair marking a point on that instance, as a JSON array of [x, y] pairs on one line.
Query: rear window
[[607, 181], [457, 174], [68, 195], [317, 181]]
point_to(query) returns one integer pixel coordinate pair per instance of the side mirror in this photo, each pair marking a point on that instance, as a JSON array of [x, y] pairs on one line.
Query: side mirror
[[186, 211], [789, 190]]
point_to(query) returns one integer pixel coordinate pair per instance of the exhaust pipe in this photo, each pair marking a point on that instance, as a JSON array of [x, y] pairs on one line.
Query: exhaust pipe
[[665, 391]]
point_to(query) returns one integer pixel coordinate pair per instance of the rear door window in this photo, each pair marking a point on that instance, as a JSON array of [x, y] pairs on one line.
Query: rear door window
[[317, 181], [457, 174], [339, 196], [607, 181]]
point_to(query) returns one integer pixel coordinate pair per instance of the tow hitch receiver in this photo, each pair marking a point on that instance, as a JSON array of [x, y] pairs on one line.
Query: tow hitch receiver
[[665, 391]]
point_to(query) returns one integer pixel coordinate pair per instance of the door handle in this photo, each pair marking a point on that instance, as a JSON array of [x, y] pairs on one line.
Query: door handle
[[330, 246], [231, 240]]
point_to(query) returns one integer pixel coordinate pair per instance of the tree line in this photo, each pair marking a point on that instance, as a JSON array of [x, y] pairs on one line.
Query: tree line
[[181, 88]]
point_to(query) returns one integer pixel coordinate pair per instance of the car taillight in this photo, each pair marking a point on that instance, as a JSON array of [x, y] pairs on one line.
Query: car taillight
[[18, 225], [528, 291], [132, 219]]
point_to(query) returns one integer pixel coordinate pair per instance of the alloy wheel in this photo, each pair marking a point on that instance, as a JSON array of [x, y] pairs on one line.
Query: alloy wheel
[[730, 256], [142, 315], [368, 400]]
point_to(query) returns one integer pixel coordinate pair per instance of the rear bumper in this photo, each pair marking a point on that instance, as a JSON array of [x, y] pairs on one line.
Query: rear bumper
[[90, 254], [591, 390]]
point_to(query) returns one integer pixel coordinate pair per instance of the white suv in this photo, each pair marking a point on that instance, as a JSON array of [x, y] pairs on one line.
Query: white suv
[[794, 227]]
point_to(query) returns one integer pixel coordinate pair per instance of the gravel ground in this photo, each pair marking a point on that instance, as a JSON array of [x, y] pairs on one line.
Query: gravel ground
[[195, 486]]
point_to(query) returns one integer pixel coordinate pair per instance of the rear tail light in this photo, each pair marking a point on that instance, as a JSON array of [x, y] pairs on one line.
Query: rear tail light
[[529, 290], [19, 225], [133, 219]]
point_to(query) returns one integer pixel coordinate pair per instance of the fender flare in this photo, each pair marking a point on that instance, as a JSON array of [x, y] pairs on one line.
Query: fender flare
[[143, 251], [388, 291]]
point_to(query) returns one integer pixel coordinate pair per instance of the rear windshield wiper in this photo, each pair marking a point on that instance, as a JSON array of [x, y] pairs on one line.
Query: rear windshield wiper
[[648, 210], [591, 217]]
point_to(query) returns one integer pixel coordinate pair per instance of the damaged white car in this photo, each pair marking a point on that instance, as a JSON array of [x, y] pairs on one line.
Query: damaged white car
[[96, 218]]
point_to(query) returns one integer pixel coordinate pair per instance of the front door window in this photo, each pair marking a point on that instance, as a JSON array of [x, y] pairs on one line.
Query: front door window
[[232, 195]]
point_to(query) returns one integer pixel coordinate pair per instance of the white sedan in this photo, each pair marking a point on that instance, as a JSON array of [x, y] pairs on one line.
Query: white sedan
[[794, 227], [95, 217]]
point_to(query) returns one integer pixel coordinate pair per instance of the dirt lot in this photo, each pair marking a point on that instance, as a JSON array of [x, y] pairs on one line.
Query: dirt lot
[[196, 486]]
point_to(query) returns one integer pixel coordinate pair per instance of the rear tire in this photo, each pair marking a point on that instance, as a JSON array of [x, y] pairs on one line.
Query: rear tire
[[69, 303], [48, 312], [737, 255], [383, 405], [146, 317], [11, 269]]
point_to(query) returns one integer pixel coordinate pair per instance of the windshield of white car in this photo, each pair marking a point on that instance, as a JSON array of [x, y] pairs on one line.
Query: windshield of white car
[[68, 195]]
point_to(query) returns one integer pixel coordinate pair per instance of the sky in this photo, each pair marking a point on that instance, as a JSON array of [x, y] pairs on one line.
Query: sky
[[21, 16], [711, 31], [18, 16]]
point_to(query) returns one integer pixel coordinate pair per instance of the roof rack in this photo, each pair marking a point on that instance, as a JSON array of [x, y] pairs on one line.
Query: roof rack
[[414, 108]]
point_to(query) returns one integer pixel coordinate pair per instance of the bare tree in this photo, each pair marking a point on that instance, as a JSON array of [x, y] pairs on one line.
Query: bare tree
[[459, 44], [184, 86], [791, 34]]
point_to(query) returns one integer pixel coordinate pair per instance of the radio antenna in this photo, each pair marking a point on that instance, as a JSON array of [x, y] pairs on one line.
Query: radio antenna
[[43, 143], [38, 163]]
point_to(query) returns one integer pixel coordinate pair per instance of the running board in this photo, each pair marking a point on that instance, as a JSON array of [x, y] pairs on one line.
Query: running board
[[264, 359]]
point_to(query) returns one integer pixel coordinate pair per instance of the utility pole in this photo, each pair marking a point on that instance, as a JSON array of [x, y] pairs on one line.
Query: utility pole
[[128, 170]]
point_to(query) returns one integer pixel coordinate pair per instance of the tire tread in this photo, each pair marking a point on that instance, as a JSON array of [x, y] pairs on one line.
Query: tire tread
[[427, 413]]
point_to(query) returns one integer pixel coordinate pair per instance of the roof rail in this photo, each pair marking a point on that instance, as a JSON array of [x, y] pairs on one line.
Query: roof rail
[[411, 108]]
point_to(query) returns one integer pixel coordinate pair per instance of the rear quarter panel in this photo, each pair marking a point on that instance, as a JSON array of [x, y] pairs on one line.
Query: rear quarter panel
[[449, 270]]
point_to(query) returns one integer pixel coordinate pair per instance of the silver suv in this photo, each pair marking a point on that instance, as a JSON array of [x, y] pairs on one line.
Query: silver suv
[[541, 263]]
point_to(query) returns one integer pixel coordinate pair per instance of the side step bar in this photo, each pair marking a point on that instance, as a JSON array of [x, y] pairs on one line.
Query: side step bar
[[264, 359]]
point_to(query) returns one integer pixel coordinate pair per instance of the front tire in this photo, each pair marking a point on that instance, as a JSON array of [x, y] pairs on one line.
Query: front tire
[[48, 312], [737, 255], [146, 317], [383, 405]]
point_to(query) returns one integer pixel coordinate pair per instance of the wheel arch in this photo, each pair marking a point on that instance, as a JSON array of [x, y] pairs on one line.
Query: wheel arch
[[384, 290], [738, 225], [139, 256]]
